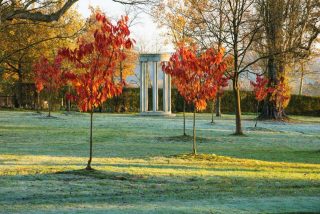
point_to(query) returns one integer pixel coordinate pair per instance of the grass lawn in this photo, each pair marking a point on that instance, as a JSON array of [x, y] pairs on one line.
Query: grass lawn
[[142, 165]]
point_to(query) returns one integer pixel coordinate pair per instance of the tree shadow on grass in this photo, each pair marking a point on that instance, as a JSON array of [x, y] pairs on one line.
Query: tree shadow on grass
[[99, 174], [76, 187]]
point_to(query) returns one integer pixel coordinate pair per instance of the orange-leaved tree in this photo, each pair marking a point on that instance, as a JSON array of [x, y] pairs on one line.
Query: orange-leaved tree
[[94, 77], [49, 76], [197, 76], [280, 97]]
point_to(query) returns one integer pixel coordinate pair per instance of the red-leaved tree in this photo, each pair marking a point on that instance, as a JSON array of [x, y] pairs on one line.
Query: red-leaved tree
[[49, 77], [217, 98], [94, 77], [196, 76], [261, 90]]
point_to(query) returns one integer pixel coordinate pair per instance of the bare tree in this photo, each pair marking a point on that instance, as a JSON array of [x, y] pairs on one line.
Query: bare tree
[[232, 24]]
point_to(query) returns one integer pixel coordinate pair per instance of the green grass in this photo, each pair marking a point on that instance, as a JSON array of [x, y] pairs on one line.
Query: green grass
[[142, 165]]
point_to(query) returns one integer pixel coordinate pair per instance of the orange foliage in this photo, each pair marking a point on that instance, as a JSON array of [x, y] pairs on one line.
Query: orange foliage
[[281, 94], [197, 77], [94, 77], [48, 75]]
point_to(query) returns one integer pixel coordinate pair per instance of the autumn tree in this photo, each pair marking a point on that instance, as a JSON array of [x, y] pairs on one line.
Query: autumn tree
[[197, 77], [289, 31], [94, 77], [232, 24], [23, 42], [260, 90], [49, 76]]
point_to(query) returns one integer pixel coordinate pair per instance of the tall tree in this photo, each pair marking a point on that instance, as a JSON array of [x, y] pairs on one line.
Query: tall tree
[[232, 24], [94, 77], [289, 27], [238, 32], [23, 42]]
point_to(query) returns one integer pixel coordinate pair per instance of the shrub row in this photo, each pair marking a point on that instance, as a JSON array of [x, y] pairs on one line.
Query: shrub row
[[129, 102]]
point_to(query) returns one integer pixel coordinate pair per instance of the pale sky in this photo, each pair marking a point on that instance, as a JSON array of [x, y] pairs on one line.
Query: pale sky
[[145, 32]]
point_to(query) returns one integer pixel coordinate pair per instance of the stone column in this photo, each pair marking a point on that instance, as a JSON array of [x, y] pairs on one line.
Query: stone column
[[169, 93], [141, 87], [154, 71], [157, 68], [165, 92], [146, 86]]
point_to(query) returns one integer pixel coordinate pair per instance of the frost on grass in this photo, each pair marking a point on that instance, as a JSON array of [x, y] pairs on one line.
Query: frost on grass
[[143, 165]]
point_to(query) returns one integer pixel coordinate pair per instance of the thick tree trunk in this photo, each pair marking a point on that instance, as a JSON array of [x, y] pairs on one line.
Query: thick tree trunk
[[218, 105], [270, 110], [90, 141], [184, 118], [236, 93], [194, 147], [274, 21]]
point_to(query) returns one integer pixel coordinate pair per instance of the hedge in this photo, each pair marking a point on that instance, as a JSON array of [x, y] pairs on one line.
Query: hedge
[[299, 105], [129, 102]]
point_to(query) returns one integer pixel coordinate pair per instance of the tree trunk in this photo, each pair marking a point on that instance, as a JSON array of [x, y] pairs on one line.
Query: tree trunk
[[301, 80], [123, 103], [194, 148], [236, 92], [19, 92], [270, 110], [49, 105], [212, 111], [274, 20], [218, 105], [257, 116], [90, 141], [184, 118], [69, 101], [38, 102]]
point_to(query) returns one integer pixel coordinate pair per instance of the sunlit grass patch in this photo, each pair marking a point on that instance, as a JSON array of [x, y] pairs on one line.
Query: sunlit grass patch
[[144, 165]]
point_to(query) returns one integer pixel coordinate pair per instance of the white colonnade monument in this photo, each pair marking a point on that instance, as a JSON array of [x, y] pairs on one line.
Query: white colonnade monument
[[150, 66]]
